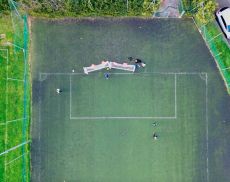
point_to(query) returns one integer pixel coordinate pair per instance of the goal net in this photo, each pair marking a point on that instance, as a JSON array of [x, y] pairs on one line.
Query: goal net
[[110, 65]]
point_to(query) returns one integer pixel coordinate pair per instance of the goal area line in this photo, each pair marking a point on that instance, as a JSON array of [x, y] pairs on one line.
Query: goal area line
[[124, 117]]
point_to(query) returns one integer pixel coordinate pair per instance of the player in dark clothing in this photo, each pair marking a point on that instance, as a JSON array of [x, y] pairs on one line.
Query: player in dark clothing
[[138, 61]]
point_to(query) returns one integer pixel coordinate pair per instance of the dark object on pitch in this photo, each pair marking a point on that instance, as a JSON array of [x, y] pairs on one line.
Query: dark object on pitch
[[130, 58], [138, 61]]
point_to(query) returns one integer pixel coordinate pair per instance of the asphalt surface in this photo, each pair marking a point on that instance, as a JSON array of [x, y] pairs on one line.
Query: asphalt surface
[[224, 3]]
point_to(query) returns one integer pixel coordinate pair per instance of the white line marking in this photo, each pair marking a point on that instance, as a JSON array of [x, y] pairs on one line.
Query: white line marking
[[217, 54], [203, 76], [6, 100], [207, 134], [70, 97], [39, 134], [215, 37], [75, 73], [121, 73], [121, 117], [137, 117], [14, 79], [131, 117], [16, 158], [126, 117], [175, 90], [226, 68], [15, 120], [14, 148]]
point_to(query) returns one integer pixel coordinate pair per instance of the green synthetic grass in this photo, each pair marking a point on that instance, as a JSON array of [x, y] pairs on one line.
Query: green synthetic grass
[[110, 149], [123, 149], [98, 98], [11, 106]]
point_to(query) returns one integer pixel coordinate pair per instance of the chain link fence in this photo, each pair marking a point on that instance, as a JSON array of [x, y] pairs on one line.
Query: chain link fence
[[15, 155]]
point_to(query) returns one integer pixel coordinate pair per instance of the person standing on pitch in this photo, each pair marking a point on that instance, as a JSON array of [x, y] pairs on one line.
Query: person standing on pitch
[[140, 63], [106, 75]]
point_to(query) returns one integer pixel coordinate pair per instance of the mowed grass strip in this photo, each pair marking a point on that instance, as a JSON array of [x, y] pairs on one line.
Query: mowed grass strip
[[3, 62], [13, 169], [11, 103], [16, 63], [15, 100]]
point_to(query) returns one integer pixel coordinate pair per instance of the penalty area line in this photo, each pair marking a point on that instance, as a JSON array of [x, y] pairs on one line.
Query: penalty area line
[[175, 92], [121, 73], [70, 96]]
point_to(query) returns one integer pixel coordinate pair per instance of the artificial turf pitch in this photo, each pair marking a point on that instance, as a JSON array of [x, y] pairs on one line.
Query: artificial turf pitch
[[101, 130]]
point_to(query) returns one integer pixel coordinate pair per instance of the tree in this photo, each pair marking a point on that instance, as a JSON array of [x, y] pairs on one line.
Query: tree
[[205, 13]]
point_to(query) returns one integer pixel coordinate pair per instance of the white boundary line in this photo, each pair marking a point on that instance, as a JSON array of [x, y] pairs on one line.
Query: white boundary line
[[39, 134], [6, 101], [15, 120], [226, 68], [15, 79], [215, 37], [125, 117], [207, 125], [217, 54], [121, 73], [175, 90], [120, 117], [180, 73], [70, 97], [14, 148], [16, 158]]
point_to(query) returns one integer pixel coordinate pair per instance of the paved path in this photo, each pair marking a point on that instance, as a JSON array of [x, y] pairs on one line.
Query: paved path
[[168, 8], [223, 3]]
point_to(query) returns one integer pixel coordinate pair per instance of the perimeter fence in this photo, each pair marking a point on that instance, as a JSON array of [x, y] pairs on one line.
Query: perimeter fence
[[213, 37], [15, 84]]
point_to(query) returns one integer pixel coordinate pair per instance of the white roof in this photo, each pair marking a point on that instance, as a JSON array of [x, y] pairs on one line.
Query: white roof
[[226, 15]]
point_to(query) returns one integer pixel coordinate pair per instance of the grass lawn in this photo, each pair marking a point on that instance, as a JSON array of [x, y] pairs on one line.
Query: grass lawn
[[219, 45]]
